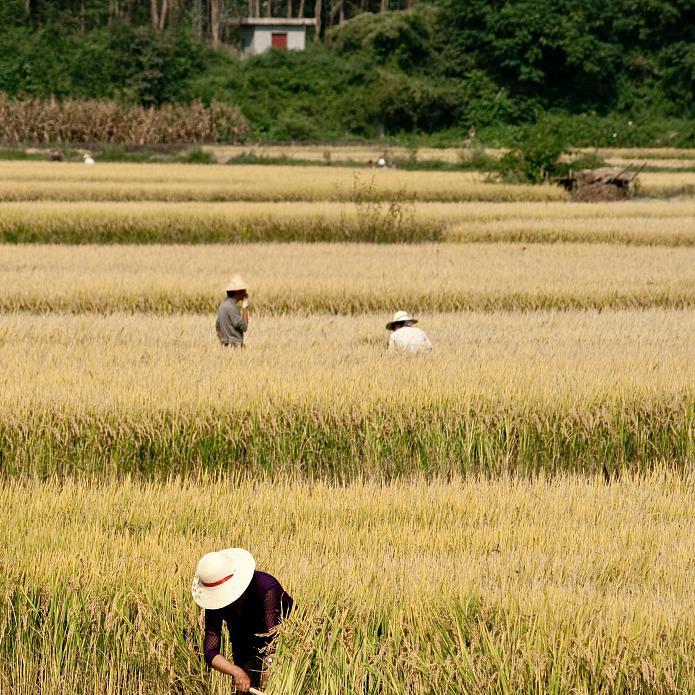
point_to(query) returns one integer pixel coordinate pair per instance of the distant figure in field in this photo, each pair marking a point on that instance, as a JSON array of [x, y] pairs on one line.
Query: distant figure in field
[[56, 156], [87, 157], [233, 314], [404, 335], [252, 604]]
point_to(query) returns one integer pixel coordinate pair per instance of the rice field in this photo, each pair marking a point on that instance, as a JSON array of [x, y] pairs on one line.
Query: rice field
[[316, 395], [33, 181], [512, 512], [347, 279], [639, 223], [663, 157], [470, 585]]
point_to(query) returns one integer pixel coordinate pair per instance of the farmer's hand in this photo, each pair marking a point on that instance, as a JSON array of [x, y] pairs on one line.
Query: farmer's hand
[[241, 680], [245, 303]]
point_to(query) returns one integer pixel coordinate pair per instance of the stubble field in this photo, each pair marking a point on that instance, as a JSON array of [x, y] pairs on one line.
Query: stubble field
[[513, 512]]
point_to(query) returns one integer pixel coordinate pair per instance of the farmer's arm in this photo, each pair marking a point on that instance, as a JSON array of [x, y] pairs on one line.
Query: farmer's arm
[[213, 639], [239, 318], [241, 678]]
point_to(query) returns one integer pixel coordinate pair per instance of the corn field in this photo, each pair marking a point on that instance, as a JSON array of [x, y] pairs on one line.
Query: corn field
[[51, 122], [512, 512]]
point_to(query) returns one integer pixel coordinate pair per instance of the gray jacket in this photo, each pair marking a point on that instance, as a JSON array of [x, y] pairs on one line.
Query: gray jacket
[[230, 325]]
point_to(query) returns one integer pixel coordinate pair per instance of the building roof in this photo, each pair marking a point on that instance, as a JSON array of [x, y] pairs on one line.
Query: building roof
[[278, 21]]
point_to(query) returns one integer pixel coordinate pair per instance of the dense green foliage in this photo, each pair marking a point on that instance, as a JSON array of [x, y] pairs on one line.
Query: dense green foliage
[[612, 73]]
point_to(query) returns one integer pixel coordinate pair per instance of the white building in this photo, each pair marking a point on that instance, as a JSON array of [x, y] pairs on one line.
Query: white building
[[258, 34]]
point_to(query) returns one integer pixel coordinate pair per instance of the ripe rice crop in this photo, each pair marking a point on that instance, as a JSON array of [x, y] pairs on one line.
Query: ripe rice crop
[[660, 184], [468, 586], [639, 154], [320, 396], [346, 278], [643, 222], [155, 222], [651, 164], [185, 182]]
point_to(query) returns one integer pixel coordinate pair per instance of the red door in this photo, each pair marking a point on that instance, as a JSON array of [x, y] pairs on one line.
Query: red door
[[279, 40]]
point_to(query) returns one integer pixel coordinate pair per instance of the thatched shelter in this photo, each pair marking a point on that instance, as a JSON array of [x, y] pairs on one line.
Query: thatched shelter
[[605, 183]]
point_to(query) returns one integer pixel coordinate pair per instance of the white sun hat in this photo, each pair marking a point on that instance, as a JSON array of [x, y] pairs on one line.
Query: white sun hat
[[398, 317], [222, 577], [235, 283]]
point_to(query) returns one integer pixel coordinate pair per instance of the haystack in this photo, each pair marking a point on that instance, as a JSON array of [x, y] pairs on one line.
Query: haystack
[[599, 185]]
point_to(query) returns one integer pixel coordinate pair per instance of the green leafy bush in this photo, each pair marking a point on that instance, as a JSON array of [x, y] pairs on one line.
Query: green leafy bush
[[536, 156]]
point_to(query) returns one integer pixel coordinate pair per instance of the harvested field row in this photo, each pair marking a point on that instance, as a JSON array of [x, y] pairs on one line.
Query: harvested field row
[[358, 154], [182, 182], [320, 396], [659, 156], [346, 278], [174, 182], [635, 222], [468, 584]]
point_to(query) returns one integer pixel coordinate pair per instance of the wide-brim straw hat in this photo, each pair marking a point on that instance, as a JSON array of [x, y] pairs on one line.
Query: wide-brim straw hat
[[399, 317], [222, 577], [236, 283]]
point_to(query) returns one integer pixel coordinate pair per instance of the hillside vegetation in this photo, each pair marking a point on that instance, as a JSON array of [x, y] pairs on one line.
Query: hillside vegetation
[[610, 74]]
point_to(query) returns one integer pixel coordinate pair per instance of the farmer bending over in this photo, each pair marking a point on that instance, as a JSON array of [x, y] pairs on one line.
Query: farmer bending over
[[405, 336], [252, 603], [232, 321]]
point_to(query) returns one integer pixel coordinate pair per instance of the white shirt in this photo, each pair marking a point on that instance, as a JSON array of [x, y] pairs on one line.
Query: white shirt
[[411, 339]]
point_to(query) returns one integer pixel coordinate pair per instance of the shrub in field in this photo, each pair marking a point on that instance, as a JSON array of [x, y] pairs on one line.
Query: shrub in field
[[536, 156], [198, 156], [93, 121]]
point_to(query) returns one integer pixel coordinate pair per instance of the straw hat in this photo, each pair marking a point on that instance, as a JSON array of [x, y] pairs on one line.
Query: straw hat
[[399, 317], [222, 577], [236, 283]]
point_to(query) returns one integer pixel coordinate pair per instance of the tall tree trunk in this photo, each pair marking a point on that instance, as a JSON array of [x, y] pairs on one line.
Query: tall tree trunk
[[163, 15], [317, 14], [301, 9], [154, 14], [341, 12], [289, 8], [268, 8], [215, 16], [384, 5]]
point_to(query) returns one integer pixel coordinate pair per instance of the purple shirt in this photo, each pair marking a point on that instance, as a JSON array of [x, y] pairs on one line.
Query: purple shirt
[[256, 612]]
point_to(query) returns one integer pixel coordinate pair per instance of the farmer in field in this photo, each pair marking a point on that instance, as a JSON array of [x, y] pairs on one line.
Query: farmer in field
[[404, 335], [233, 314], [251, 603]]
